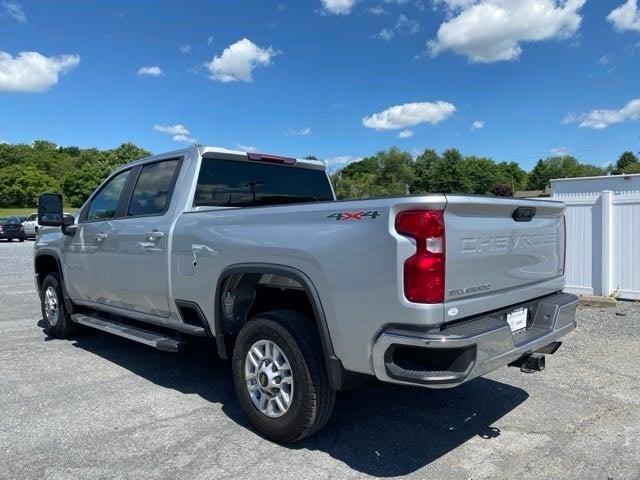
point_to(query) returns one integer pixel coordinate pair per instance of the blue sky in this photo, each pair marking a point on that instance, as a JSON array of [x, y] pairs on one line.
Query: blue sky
[[339, 79]]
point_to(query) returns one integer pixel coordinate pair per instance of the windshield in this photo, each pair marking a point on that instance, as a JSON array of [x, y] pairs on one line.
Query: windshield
[[10, 221]]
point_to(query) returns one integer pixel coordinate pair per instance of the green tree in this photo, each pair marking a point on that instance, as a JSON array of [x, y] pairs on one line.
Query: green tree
[[396, 172], [368, 165], [632, 168], [481, 174], [511, 174], [386, 173], [20, 186], [448, 174], [627, 163], [559, 167], [28, 170], [422, 172], [77, 185], [125, 153], [360, 186]]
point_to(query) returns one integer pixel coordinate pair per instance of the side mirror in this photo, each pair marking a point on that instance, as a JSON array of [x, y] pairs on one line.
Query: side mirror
[[50, 210], [69, 226]]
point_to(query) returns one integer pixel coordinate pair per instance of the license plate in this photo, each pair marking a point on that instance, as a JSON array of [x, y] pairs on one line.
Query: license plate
[[517, 319]]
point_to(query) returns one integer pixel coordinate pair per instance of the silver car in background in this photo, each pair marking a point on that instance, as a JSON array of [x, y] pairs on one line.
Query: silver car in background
[[31, 226]]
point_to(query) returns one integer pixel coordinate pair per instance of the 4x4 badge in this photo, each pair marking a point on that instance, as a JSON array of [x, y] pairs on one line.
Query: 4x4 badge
[[355, 215]]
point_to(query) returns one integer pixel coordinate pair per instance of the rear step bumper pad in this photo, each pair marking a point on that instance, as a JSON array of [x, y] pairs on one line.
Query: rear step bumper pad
[[490, 339], [156, 340]]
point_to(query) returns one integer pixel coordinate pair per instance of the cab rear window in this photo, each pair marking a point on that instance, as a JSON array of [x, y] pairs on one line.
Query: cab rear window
[[230, 183]]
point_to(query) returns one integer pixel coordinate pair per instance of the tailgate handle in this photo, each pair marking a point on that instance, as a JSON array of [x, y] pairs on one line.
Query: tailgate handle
[[524, 214]]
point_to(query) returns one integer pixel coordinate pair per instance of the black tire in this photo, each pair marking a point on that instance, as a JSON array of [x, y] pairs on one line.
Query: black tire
[[22, 239], [313, 397], [64, 326]]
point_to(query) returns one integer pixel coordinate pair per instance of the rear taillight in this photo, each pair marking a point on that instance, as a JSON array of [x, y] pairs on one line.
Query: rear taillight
[[424, 271]]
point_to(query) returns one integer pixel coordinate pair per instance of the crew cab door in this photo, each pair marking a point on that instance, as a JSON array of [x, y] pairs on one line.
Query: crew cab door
[[138, 261], [86, 264]]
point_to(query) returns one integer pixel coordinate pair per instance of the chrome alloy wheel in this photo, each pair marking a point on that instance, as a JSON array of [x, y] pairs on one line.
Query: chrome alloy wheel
[[51, 307], [269, 378]]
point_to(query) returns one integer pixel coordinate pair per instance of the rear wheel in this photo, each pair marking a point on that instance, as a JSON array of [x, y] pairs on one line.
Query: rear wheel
[[57, 321], [280, 377]]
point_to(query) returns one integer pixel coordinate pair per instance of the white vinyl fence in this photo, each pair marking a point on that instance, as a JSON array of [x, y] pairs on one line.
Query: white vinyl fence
[[603, 234]]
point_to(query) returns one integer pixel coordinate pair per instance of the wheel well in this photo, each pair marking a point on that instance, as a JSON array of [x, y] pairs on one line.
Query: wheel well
[[44, 265], [244, 295], [246, 291]]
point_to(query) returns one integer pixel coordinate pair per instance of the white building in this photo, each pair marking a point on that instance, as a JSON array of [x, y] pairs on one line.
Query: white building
[[603, 234]]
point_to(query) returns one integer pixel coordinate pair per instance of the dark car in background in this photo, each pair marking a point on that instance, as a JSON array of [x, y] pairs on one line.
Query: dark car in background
[[10, 228]]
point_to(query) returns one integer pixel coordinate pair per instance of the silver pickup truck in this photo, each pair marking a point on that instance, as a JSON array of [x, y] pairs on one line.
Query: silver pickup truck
[[306, 295]]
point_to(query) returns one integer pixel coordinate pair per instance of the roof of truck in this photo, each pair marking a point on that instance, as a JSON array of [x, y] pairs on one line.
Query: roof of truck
[[227, 154], [224, 152]]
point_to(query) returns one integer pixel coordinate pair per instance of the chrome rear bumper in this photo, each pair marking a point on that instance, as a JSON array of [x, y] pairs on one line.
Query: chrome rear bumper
[[457, 353]]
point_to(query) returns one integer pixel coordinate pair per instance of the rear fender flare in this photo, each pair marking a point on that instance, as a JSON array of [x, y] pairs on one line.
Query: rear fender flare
[[333, 364]]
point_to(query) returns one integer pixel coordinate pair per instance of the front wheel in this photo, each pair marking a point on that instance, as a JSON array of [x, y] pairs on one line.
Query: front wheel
[[280, 377], [57, 321]]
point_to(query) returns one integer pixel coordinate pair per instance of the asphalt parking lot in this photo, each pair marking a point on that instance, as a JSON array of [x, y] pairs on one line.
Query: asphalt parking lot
[[102, 407]]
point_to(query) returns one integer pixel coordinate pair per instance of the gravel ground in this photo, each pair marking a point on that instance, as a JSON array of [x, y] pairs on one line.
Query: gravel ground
[[102, 407]]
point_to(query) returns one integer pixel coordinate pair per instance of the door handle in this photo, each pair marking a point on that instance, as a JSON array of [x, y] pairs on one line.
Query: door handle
[[154, 235], [101, 237]]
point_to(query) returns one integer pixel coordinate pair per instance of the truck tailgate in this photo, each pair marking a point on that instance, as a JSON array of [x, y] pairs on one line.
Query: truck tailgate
[[497, 256]]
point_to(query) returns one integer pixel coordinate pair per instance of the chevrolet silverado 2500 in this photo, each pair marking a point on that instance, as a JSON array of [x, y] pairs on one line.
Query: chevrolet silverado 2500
[[304, 294]]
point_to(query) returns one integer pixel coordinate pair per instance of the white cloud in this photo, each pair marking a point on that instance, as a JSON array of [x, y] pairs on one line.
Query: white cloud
[[408, 115], [602, 118], [186, 49], [153, 71], [178, 132], [377, 10], [560, 151], [404, 25], [184, 139], [15, 11], [209, 40], [177, 129], [238, 61], [385, 34], [405, 133], [32, 71], [338, 7], [335, 163], [626, 16], [454, 5], [606, 59], [247, 148], [477, 125], [302, 132], [492, 30]]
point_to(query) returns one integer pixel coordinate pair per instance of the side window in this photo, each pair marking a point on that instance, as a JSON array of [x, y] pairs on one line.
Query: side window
[[32, 218], [104, 204], [152, 193]]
